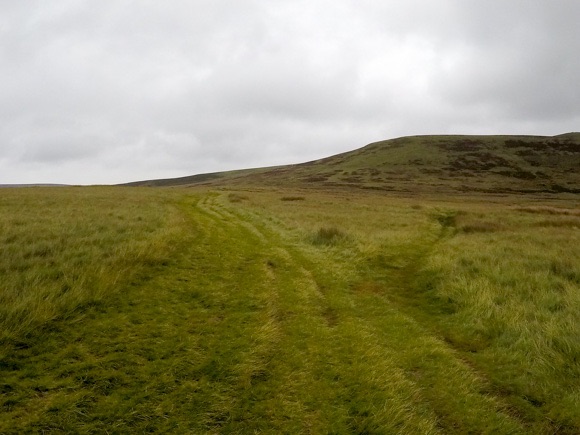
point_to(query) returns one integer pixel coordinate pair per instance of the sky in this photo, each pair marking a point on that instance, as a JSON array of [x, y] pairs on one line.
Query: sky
[[112, 91]]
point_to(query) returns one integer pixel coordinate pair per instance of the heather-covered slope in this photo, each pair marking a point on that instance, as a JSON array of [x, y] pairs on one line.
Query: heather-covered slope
[[487, 164]]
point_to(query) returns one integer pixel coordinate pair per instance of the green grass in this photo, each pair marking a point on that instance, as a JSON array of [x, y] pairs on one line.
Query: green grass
[[427, 164], [191, 311], [328, 236], [64, 249], [514, 290]]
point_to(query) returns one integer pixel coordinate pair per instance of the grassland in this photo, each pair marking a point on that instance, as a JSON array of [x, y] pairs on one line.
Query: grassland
[[428, 164], [287, 311]]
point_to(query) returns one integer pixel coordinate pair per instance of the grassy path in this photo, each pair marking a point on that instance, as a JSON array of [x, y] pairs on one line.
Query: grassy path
[[347, 360], [246, 331], [159, 356]]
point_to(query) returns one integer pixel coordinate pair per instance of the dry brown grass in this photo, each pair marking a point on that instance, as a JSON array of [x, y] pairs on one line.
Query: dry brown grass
[[543, 209], [237, 197], [292, 198]]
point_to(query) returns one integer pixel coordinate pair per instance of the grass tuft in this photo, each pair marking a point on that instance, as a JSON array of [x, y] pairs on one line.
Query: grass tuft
[[237, 197], [328, 236], [562, 223], [549, 210], [445, 218], [480, 227], [292, 198]]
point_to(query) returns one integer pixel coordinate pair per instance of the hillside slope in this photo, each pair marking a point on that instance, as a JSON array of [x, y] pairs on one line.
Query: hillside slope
[[488, 164]]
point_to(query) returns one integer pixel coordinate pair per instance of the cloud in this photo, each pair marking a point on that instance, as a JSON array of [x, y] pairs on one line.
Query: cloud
[[123, 90], [518, 61]]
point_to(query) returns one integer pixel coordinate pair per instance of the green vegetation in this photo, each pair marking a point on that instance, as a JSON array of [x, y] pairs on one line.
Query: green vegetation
[[63, 250], [233, 311], [427, 164]]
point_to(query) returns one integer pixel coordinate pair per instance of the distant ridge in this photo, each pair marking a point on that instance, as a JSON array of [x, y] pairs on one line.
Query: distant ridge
[[33, 185], [449, 163]]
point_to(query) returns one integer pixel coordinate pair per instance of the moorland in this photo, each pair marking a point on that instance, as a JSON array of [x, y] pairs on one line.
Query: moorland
[[428, 284]]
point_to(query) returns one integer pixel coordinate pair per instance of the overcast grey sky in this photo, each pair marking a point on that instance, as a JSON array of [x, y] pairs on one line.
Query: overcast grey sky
[[112, 91]]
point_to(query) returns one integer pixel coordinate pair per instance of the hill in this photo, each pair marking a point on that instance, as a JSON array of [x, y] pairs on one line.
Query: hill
[[457, 163]]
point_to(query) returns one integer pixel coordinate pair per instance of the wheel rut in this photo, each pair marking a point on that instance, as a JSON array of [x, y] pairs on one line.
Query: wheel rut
[[361, 337]]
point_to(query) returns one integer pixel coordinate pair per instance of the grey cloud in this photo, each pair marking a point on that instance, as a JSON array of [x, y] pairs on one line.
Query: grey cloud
[[518, 58], [115, 91]]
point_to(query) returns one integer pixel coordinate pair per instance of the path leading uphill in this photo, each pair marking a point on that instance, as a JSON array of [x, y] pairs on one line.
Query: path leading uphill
[[247, 332]]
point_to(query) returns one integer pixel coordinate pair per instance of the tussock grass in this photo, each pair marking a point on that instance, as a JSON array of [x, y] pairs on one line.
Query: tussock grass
[[569, 223], [237, 197], [549, 210], [292, 198], [515, 305], [65, 250], [328, 236], [481, 227], [501, 288], [479, 223], [445, 218], [215, 316]]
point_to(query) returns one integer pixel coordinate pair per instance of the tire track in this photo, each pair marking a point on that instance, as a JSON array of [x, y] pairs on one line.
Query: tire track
[[353, 331], [328, 348]]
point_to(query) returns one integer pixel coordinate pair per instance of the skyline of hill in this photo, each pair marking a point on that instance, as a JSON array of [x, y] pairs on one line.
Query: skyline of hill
[[450, 163]]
